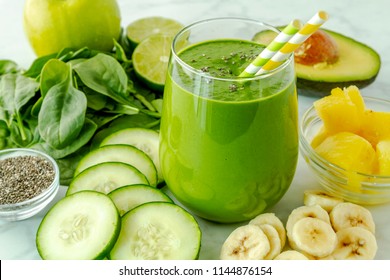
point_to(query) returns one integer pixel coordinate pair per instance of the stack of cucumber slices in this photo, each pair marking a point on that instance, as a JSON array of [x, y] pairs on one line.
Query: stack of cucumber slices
[[113, 208]]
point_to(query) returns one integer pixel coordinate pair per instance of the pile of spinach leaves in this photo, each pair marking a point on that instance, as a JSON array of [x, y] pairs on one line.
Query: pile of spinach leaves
[[65, 104]]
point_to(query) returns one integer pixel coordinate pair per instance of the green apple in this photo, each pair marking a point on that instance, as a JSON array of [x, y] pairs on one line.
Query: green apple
[[52, 25]]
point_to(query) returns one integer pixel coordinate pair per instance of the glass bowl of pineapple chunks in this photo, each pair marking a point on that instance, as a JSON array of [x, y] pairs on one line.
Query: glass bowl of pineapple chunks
[[345, 140]]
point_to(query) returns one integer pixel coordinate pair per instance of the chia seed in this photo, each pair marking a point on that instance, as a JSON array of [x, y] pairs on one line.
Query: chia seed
[[233, 88], [24, 177]]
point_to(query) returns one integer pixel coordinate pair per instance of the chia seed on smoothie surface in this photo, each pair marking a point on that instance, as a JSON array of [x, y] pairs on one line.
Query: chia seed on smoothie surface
[[226, 66]]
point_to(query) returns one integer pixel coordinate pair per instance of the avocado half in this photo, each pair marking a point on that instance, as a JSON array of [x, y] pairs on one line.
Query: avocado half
[[358, 65]]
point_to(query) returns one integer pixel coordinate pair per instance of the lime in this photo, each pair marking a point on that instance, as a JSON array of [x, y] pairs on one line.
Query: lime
[[150, 60], [140, 29]]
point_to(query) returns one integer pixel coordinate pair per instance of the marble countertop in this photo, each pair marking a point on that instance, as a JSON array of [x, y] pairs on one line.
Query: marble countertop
[[365, 22]]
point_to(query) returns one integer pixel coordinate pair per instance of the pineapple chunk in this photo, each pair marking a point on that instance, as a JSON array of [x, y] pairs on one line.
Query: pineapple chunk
[[375, 126], [334, 108], [349, 151], [355, 96], [383, 155], [337, 92], [353, 137], [319, 137]]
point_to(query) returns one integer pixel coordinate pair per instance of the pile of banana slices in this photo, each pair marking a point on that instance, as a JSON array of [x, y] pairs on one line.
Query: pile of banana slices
[[325, 227]]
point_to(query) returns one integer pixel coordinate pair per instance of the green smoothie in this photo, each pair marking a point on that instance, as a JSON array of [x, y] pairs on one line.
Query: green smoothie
[[228, 147]]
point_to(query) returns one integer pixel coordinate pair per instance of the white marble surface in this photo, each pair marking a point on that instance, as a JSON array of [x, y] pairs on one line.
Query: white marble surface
[[365, 21]]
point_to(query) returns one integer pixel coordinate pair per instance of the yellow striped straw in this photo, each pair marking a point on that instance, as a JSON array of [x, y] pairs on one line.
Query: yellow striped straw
[[307, 30], [272, 48]]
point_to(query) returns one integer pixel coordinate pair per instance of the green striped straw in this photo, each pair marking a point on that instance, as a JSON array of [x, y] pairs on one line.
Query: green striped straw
[[304, 33], [279, 41]]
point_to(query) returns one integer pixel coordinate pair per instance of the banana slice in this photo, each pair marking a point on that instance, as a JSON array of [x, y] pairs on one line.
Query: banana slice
[[314, 211], [246, 242], [323, 199], [291, 255], [274, 241], [327, 258], [355, 243], [273, 220], [314, 237], [348, 214]]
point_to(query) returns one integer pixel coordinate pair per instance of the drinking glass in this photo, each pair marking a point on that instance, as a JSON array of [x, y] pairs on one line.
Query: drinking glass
[[228, 145]]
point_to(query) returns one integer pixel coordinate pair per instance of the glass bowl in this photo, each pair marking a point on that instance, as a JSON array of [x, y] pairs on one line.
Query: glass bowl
[[355, 187], [27, 208]]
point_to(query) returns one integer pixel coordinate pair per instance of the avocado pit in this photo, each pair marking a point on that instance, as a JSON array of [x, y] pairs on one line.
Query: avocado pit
[[318, 48]]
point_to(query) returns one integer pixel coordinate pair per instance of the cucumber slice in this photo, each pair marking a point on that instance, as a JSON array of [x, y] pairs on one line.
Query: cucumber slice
[[157, 231], [82, 226], [128, 197], [145, 139], [121, 153], [105, 177]]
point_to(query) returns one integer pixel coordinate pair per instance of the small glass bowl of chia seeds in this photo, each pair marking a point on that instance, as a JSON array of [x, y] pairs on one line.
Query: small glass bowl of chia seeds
[[29, 180]]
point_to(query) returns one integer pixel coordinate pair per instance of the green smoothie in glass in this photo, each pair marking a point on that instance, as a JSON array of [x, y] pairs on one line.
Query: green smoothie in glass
[[229, 145]]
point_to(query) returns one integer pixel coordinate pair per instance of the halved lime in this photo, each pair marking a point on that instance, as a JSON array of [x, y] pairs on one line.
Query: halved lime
[[150, 60], [139, 30]]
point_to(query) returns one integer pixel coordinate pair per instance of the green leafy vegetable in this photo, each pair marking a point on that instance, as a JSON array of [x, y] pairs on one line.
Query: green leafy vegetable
[[95, 100], [63, 108], [54, 72], [36, 67], [65, 103], [86, 134], [104, 74], [16, 91], [62, 115], [8, 66]]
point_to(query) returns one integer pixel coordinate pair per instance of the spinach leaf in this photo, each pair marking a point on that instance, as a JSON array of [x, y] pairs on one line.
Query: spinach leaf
[[16, 91], [87, 132], [158, 104], [36, 67], [102, 119], [36, 107], [95, 100], [54, 72], [140, 120], [8, 66], [105, 75], [144, 95], [65, 55], [4, 132], [62, 114], [122, 109], [68, 54], [125, 44], [3, 143], [16, 136], [120, 53]]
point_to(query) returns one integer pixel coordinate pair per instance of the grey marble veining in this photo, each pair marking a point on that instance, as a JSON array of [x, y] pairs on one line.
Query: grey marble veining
[[365, 22]]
